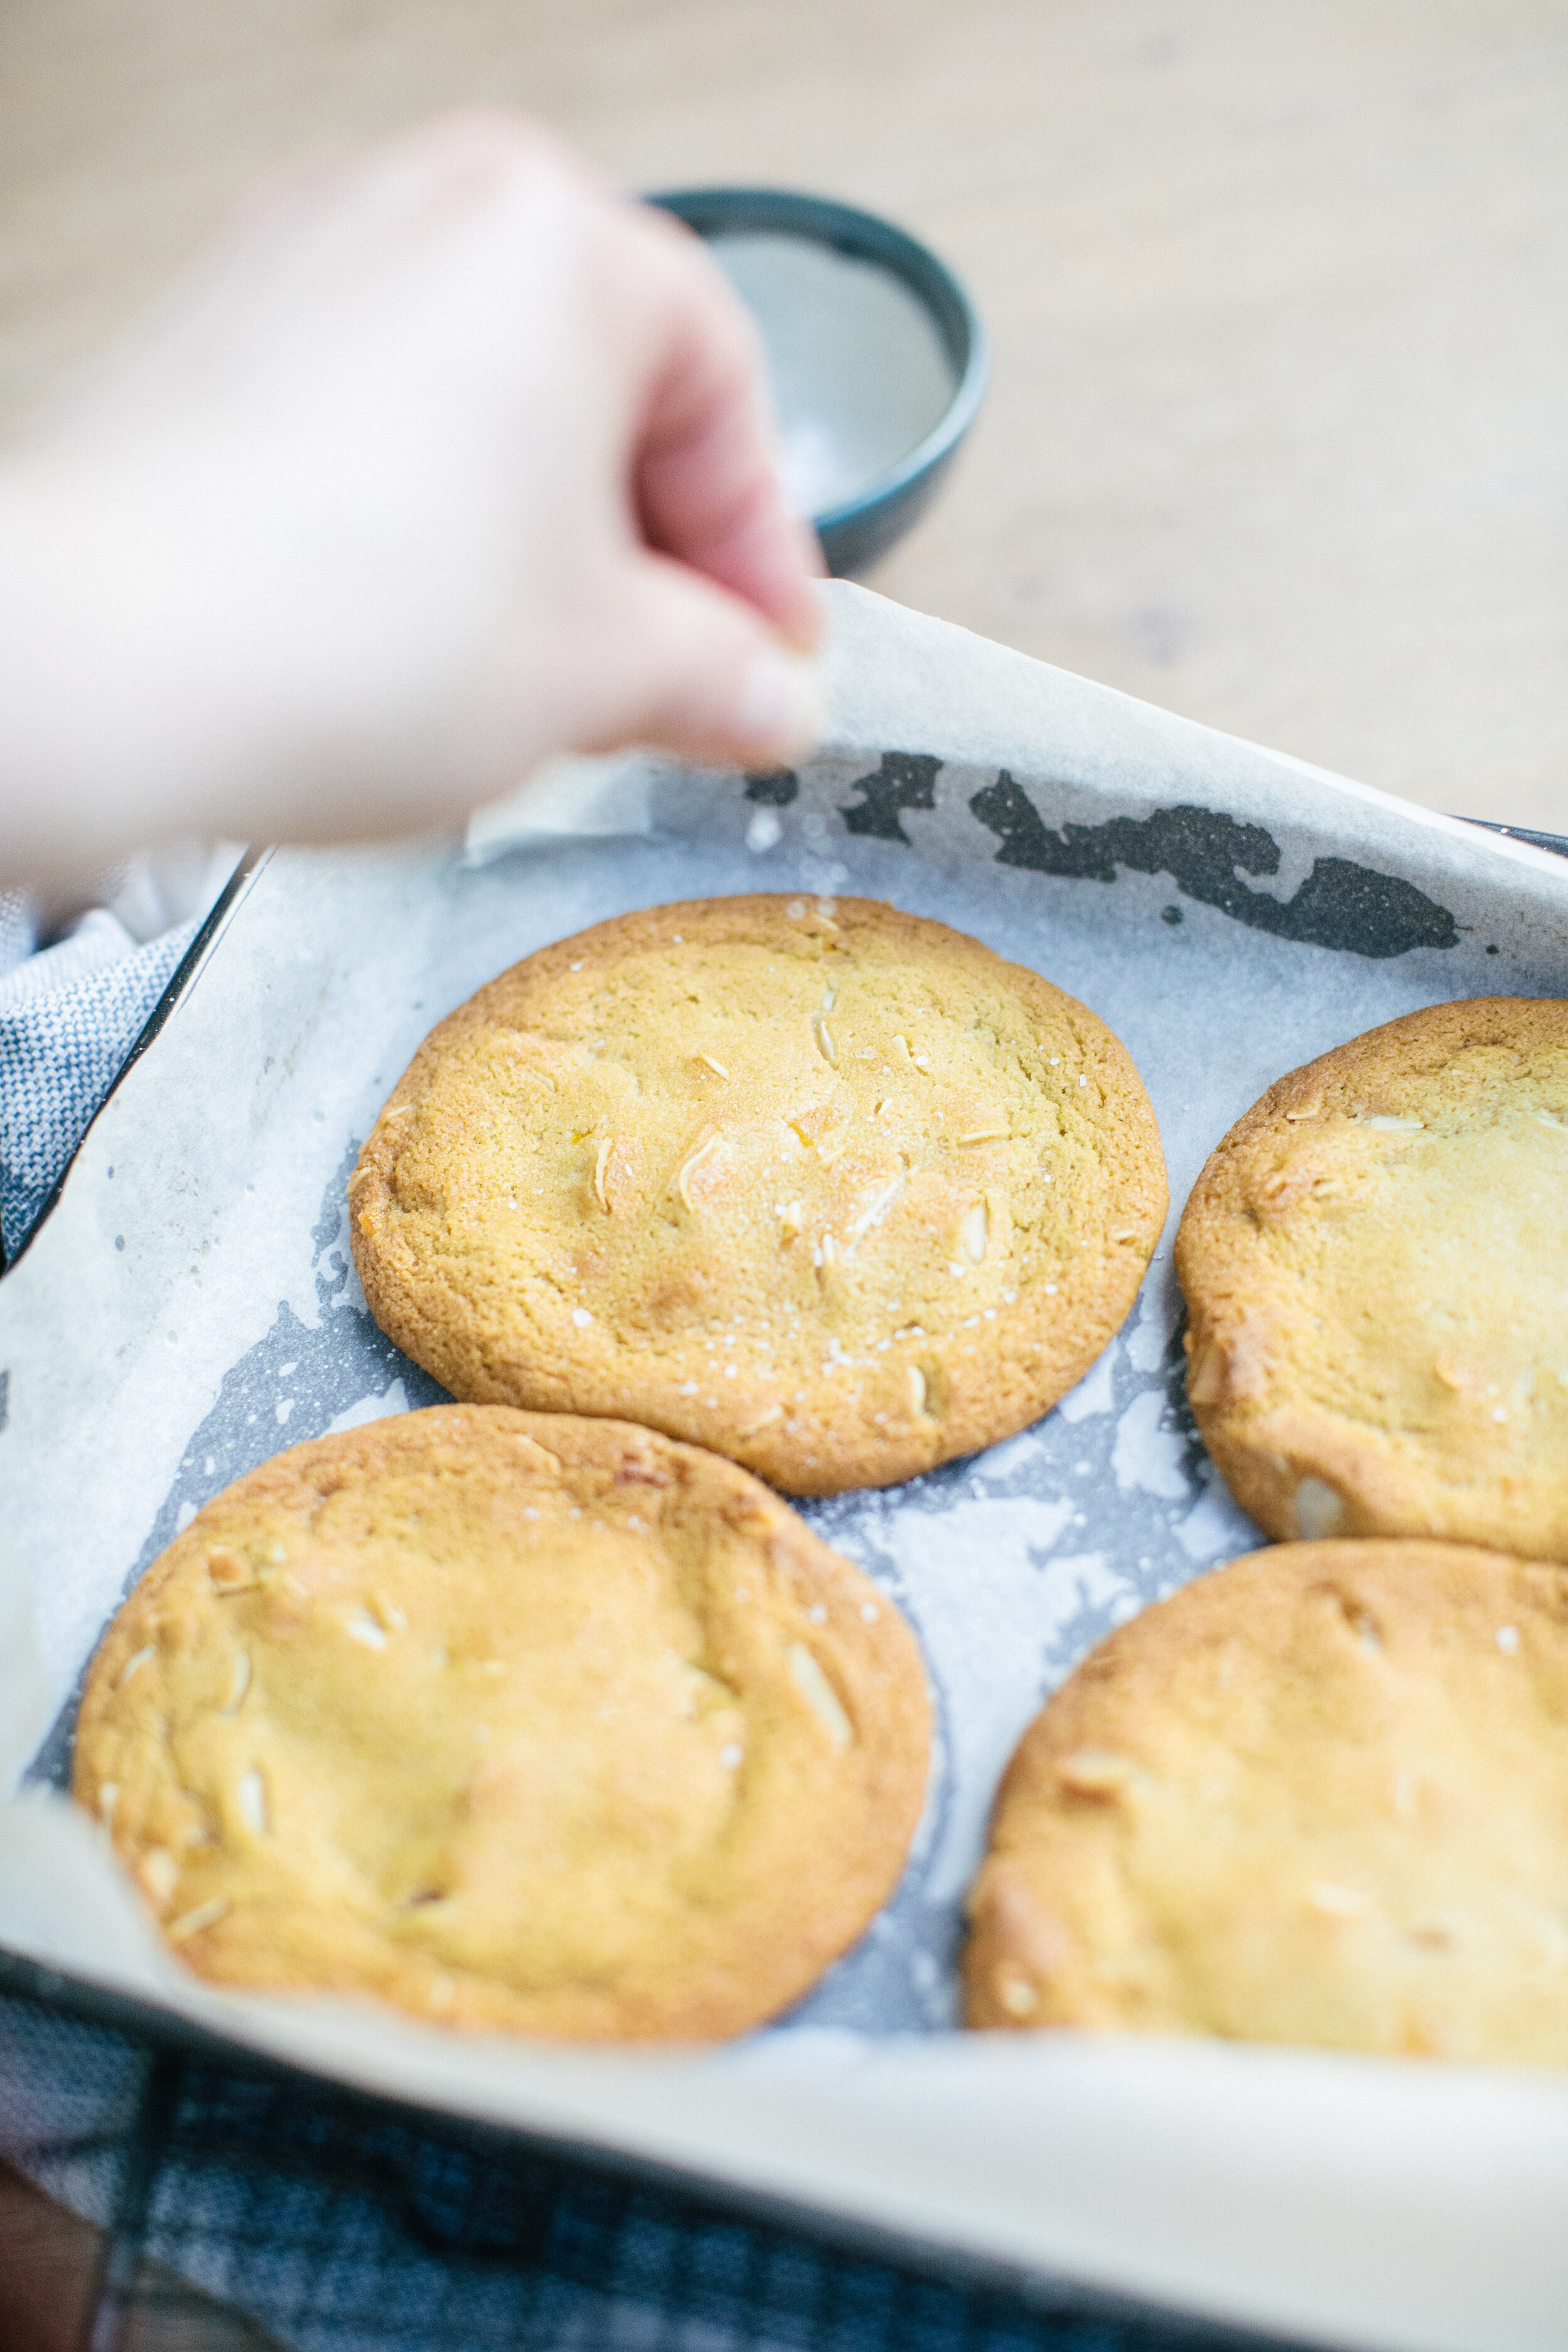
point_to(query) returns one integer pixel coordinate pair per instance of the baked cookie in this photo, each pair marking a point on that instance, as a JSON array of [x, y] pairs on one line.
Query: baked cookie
[[1376, 1263], [829, 1188], [1319, 1797], [520, 1722]]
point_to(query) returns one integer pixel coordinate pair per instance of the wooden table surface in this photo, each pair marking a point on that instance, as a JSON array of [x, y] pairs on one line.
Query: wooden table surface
[[1279, 297]]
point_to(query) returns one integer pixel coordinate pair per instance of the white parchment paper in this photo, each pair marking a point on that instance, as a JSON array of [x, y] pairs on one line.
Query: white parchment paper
[[189, 1310]]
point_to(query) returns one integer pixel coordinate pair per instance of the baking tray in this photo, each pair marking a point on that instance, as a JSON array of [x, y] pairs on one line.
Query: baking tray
[[188, 1308]]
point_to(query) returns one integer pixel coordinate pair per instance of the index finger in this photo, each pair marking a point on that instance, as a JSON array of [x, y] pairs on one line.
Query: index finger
[[706, 480]]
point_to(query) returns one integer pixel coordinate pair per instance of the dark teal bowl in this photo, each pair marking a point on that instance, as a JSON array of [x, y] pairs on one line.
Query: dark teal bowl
[[867, 518]]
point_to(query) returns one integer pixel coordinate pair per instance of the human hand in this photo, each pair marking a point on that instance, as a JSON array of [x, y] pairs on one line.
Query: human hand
[[441, 459]]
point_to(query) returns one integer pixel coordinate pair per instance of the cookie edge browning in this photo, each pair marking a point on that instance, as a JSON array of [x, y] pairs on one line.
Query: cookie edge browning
[[1264, 1479], [1012, 1934], [1101, 1306], [879, 1675]]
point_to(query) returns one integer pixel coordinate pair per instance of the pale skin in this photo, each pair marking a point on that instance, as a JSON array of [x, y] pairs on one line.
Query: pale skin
[[441, 459]]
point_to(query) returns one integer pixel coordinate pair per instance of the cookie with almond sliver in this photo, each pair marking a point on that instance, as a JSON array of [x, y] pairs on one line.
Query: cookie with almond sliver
[[1375, 1264], [520, 1722], [834, 1190], [1319, 1797]]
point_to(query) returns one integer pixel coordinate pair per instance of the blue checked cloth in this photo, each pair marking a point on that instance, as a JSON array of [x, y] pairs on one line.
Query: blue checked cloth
[[348, 2228], [69, 1014]]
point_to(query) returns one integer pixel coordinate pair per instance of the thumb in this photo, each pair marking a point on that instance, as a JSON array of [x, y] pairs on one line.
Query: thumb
[[699, 672]]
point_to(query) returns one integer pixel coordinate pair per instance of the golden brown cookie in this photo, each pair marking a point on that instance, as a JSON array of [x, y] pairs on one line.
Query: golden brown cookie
[[524, 1722], [1376, 1263], [1321, 1797], [831, 1188]]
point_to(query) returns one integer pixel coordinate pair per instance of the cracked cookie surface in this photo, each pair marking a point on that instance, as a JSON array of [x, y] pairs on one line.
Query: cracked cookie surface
[[834, 1190], [519, 1721], [1319, 1797], [1376, 1279]]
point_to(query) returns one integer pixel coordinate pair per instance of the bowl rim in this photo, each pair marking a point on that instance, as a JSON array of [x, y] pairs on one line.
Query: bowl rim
[[861, 235]]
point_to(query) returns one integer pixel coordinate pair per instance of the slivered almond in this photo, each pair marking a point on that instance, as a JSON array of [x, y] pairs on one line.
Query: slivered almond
[[792, 1220], [1336, 1902], [1319, 1509], [688, 1167], [824, 1044], [773, 1413], [600, 1164], [919, 1390], [229, 1571], [877, 1206], [973, 1233], [191, 1923], [805, 1673], [250, 1802], [158, 1873], [717, 1068], [1096, 1772], [985, 1135], [238, 1686], [135, 1662], [361, 1626]]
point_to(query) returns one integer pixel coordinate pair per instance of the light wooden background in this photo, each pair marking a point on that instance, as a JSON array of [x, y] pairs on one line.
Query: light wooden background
[[1279, 435]]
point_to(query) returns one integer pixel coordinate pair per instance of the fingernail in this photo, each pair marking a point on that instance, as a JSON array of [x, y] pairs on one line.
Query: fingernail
[[781, 705]]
